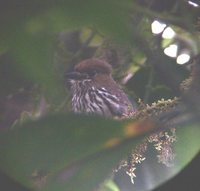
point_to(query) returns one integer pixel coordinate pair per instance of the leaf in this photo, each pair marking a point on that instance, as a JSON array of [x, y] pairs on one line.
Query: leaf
[[185, 149], [65, 151], [188, 145], [31, 45], [69, 152], [29, 32], [93, 171]]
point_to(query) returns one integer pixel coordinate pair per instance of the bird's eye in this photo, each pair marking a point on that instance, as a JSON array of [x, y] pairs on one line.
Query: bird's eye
[[92, 73]]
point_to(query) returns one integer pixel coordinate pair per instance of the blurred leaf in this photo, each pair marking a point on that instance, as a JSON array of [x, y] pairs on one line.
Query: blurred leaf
[[151, 174], [70, 152], [29, 31], [33, 52], [185, 149], [66, 151], [109, 17], [188, 145], [92, 172], [109, 185]]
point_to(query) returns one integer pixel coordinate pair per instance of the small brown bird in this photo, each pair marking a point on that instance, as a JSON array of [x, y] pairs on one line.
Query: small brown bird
[[94, 91]]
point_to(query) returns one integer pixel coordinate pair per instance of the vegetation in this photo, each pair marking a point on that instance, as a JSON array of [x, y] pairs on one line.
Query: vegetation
[[43, 146]]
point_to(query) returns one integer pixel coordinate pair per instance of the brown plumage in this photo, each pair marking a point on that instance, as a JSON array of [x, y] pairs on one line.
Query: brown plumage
[[94, 90]]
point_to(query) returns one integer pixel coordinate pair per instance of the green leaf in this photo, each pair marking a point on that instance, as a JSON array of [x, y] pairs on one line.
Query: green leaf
[[30, 44], [29, 32], [92, 171], [66, 147], [70, 152], [185, 149], [188, 145]]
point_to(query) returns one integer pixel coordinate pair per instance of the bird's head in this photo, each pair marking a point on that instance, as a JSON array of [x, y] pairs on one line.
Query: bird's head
[[89, 69]]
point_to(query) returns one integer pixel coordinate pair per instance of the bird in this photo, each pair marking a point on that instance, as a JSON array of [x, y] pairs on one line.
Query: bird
[[94, 91]]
